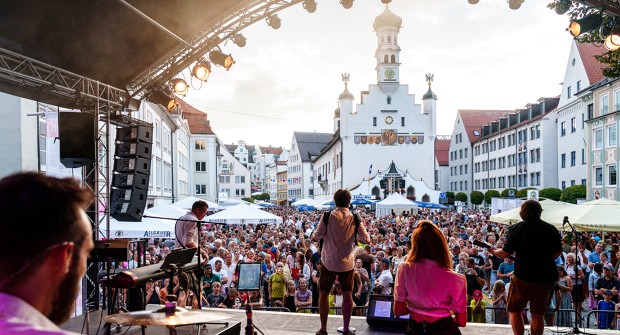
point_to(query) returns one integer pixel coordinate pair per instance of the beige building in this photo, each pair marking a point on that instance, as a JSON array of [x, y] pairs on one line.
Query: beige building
[[282, 188]]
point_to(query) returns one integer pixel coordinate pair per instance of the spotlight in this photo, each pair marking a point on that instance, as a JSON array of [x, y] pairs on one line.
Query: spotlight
[[473, 2], [612, 42], [347, 4], [202, 70], [563, 7], [515, 4], [310, 6], [161, 98], [607, 28], [274, 21], [239, 40], [221, 59], [179, 86], [585, 24]]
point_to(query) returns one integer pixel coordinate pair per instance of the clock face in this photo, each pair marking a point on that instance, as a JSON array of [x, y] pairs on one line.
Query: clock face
[[390, 74]]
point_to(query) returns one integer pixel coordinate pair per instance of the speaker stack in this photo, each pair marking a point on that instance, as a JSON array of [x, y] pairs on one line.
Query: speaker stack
[[132, 169]]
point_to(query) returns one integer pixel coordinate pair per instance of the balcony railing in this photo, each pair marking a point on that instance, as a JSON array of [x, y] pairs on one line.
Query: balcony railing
[[617, 109], [604, 110]]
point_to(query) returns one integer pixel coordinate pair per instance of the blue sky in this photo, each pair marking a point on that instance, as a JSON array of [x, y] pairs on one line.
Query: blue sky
[[484, 56]]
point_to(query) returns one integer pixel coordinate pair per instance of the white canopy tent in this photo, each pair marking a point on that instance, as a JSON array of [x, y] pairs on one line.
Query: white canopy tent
[[513, 216], [397, 203], [148, 228], [243, 214], [168, 211], [597, 215], [189, 201], [305, 202]]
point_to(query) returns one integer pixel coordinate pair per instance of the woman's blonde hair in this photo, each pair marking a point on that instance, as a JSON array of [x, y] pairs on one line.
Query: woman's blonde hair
[[498, 284]]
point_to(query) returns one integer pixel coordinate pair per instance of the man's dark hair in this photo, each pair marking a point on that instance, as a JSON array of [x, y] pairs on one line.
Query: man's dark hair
[[531, 210], [471, 260], [199, 205], [342, 198], [36, 213]]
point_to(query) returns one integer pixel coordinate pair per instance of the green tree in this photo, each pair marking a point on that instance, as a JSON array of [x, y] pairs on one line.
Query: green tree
[[611, 58], [523, 192], [551, 193], [476, 197], [450, 195], [505, 192], [490, 194], [571, 194], [248, 199], [462, 197]]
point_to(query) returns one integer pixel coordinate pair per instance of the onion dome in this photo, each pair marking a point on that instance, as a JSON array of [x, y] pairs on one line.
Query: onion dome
[[346, 94], [387, 20], [337, 112]]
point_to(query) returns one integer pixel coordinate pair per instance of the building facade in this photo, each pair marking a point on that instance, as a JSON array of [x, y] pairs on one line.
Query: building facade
[[304, 148], [509, 152], [282, 188], [233, 176]]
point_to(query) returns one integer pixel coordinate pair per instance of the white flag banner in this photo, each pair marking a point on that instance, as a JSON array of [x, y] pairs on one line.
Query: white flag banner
[[53, 167]]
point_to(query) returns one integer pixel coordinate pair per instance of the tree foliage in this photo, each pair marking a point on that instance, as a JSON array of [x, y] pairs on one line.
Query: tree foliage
[[490, 194], [262, 196], [476, 197], [523, 192], [611, 58], [450, 195], [248, 199], [571, 194], [551, 193], [505, 192], [461, 197]]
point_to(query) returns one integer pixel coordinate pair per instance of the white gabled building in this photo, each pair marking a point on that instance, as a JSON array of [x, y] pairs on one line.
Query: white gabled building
[[304, 148], [234, 177]]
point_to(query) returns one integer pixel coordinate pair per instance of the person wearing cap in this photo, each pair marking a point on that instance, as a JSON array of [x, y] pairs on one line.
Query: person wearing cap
[[606, 320], [385, 278], [478, 306], [607, 282], [208, 280], [537, 245]]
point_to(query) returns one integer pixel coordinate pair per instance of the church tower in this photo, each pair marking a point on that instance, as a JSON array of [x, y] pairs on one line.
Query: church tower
[[387, 26]]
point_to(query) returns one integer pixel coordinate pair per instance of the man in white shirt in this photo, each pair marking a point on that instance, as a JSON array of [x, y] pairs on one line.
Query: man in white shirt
[[229, 268], [385, 278], [186, 232], [40, 283], [222, 274]]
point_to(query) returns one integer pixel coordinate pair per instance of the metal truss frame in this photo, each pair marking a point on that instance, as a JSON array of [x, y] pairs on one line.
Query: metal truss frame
[[222, 29]]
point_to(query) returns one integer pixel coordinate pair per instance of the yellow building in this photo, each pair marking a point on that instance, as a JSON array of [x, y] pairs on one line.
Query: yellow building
[[282, 188]]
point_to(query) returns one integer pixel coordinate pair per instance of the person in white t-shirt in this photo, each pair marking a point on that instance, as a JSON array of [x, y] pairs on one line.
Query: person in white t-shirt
[[385, 279], [229, 268], [221, 273]]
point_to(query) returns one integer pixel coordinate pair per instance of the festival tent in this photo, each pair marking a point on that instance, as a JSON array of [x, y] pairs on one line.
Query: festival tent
[[429, 205], [189, 201], [512, 216], [147, 228], [305, 208], [597, 215], [362, 202], [395, 202], [303, 202], [243, 214], [267, 204], [168, 211]]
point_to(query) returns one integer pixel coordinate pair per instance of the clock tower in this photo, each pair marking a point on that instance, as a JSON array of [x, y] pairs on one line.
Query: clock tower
[[387, 26]]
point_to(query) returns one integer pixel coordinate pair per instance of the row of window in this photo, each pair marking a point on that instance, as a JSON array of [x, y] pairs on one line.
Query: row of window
[[453, 186], [573, 125], [572, 183], [612, 175], [462, 153], [605, 103], [460, 170], [226, 179], [513, 180], [458, 138], [573, 158], [612, 137], [500, 143]]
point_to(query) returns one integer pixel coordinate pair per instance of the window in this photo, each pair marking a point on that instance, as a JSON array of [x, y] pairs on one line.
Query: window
[[578, 86], [604, 104], [590, 111], [563, 129], [583, 182], [465, 152], [612, 180], [572, 183], [563, 185], [538, 155], [167, 177], [573, 158], [612, 135], [573, 125], [374, 120], [568, 92], [201, 166], [159, 175], [461, 169], [598, 139], [598, 174], [465, 172], [239, 192], [156, 132], [583, 121], [466, 185], [200, 145], [402, 121], [461, 154], [563, 160], [201, 189], [393, 58], [476, 133], [583, 156], [532, 132], [225, 179], [538, 178]]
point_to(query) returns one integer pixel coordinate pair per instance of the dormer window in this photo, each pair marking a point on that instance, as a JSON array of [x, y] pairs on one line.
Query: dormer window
[[476, 133]]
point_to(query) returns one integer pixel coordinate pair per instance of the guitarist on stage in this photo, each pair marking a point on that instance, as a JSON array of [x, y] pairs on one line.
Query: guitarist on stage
[[536, 245]]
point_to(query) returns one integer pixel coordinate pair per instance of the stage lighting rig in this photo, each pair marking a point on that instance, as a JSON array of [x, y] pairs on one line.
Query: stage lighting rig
[[179, 86], [239, 40], [202, 70], [515, 4], [166, 100], [612, 42], [219, 58], [563, 7], [585, 24], [347, 4], [310, 6], [473, 2], [274, 21]]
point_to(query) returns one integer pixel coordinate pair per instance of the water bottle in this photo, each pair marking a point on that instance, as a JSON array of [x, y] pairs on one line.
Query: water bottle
[[237, 303]]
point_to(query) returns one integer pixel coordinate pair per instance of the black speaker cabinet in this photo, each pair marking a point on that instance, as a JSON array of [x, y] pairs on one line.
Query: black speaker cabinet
[[131, 180], [126, 211], [133, 149], [133, 134], [129, 194], [76, 133], [140, 165]]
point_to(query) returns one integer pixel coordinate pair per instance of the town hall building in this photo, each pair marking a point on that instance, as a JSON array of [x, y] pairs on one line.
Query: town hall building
[[386, 144]]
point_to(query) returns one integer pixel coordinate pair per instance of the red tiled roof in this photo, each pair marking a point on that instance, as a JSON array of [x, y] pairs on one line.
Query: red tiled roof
[[537, 117], [282, 162], [473, 119], [587, 51], [271, 150], [196, 119], [442, 149]]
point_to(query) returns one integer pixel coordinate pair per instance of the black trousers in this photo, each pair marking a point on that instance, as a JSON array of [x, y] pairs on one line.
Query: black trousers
[[443, 326]]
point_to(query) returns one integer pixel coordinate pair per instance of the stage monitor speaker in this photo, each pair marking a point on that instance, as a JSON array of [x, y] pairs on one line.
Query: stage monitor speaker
[[232, 330], [133, 134], [381, 313], [130, 180], [129, 194], [134, 149], [76, 132], [109, 250], [140, 165], [126, 211]]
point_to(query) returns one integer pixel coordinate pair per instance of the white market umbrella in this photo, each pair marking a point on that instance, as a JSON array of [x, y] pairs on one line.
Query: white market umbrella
[[243, 214], [189, 201], [513, 216], [147, 228], [597, 215]]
